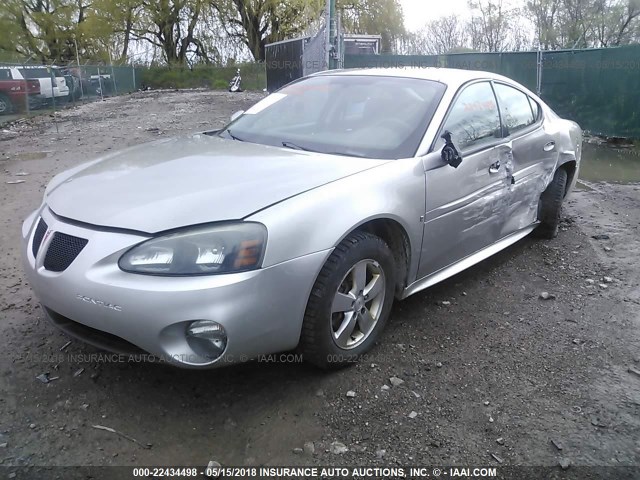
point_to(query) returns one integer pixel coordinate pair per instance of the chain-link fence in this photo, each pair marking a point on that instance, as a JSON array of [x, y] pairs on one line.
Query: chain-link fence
[[29, 89], [315, 53], [598, 88]]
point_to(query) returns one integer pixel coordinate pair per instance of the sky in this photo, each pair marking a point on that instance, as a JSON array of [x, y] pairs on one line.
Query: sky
[[418, 12]]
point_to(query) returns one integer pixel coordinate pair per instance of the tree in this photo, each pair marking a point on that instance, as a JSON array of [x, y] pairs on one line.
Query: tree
[[585, 23], [444, 35], [615, 23], [171, 26], [45, 29], [545, 20], [437, 37], [488, 26], [374, 17], [256, 23], [112, 22]]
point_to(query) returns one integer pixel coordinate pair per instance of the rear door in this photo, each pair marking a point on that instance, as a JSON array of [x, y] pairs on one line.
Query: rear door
[[42, 74], [465, 206], [534, 155]]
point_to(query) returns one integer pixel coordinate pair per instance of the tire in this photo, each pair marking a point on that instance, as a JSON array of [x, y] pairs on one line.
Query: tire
[[6, 106], [341, 283], [550, 206]]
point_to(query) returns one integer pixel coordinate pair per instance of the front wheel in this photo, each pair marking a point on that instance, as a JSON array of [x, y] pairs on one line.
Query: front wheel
[[349, 303]]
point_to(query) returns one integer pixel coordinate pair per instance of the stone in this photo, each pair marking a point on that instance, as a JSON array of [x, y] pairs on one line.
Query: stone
[[396, 382], [309, 448], [338, 448]]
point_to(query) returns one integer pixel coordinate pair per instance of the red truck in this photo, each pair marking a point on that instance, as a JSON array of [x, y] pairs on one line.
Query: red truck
[[14, 94]]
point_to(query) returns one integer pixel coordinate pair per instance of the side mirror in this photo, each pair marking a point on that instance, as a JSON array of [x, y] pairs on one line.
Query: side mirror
[[237, 115], [449, 152]]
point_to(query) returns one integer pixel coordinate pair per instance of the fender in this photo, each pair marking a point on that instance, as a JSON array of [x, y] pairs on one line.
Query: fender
[[395, 191]]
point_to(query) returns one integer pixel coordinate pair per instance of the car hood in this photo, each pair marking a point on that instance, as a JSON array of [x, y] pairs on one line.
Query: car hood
[[187, 181]]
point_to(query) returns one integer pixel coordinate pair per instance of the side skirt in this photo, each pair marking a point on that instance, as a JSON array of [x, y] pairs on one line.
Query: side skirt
[[466, 262]]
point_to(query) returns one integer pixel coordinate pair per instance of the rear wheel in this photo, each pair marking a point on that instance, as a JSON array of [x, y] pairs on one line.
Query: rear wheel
[[550, 206], [5, 105], [350, 302]]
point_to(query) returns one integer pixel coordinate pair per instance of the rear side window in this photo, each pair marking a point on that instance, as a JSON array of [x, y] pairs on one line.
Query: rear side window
[[515, 107], [474, 120], [5, 74]]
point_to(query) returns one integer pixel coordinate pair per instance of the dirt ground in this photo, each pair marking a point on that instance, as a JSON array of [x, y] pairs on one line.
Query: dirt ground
[[493, 374]]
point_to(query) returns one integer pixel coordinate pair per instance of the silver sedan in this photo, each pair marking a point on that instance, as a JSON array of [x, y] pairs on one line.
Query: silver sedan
[[299, 223]]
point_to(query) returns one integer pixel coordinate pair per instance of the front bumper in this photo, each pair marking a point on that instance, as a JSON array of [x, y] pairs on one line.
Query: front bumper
[[261, 311]]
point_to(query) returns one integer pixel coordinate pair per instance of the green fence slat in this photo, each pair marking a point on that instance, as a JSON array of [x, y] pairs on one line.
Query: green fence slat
[[598, 88]]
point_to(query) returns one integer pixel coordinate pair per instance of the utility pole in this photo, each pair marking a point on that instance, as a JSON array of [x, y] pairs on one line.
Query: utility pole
[[332, 49]]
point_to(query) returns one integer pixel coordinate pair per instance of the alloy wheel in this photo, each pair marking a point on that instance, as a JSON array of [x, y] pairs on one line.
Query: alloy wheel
[[357, 304]]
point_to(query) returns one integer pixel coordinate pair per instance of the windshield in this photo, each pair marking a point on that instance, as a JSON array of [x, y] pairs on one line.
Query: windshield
[[362, 116]]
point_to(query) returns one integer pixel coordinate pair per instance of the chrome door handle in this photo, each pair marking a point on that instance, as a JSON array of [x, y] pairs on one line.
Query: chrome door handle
[[549, 146], [495, 168]]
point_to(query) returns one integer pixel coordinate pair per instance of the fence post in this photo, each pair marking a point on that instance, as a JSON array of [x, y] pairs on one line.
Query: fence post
[[53, 98], [100, 85], [72, 89], [539, 72], [81, 86], [115, 84], [79, 69], [26, 95], [133, 72]]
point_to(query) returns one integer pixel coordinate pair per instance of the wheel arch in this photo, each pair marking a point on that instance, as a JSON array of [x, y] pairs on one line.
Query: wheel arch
[[8, 101], [397, 238], [571, 167]]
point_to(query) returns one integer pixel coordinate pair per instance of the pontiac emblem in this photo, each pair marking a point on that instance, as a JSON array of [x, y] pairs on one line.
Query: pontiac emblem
[[99, 303]]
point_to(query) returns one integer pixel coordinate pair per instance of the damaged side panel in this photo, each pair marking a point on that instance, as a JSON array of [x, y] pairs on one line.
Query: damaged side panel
[[476, 205], [534, 161], [536, 157], [465, 207]]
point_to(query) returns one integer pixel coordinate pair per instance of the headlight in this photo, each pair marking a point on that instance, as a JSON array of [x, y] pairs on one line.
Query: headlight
[[224, 248]]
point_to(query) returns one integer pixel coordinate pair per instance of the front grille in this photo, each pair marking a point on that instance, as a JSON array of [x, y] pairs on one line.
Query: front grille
[[62, 251], [41, 229]]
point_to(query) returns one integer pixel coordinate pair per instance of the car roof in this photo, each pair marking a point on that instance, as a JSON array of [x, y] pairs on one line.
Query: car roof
[[26, 67], [448, 76]]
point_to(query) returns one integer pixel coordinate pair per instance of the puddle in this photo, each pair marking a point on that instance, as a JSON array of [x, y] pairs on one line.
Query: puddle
[[609, 164]]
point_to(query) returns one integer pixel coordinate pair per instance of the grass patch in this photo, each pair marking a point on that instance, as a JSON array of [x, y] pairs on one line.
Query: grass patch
[[254, 77]]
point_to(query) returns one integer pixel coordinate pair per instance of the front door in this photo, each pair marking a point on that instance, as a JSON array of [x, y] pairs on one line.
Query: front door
[[466, 205]]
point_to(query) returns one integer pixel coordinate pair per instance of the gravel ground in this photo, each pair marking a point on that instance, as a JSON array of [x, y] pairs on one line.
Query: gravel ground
[[479, 370]]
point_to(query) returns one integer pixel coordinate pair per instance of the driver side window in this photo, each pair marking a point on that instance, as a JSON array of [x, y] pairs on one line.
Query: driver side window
[[474, 119]]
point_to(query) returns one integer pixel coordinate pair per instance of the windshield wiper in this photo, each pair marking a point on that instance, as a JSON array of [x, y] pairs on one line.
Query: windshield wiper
[[294, 146], [345, 154], [233, 137]]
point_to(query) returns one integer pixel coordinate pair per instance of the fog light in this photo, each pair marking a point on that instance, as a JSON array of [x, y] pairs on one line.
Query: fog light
[[207, 338]]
